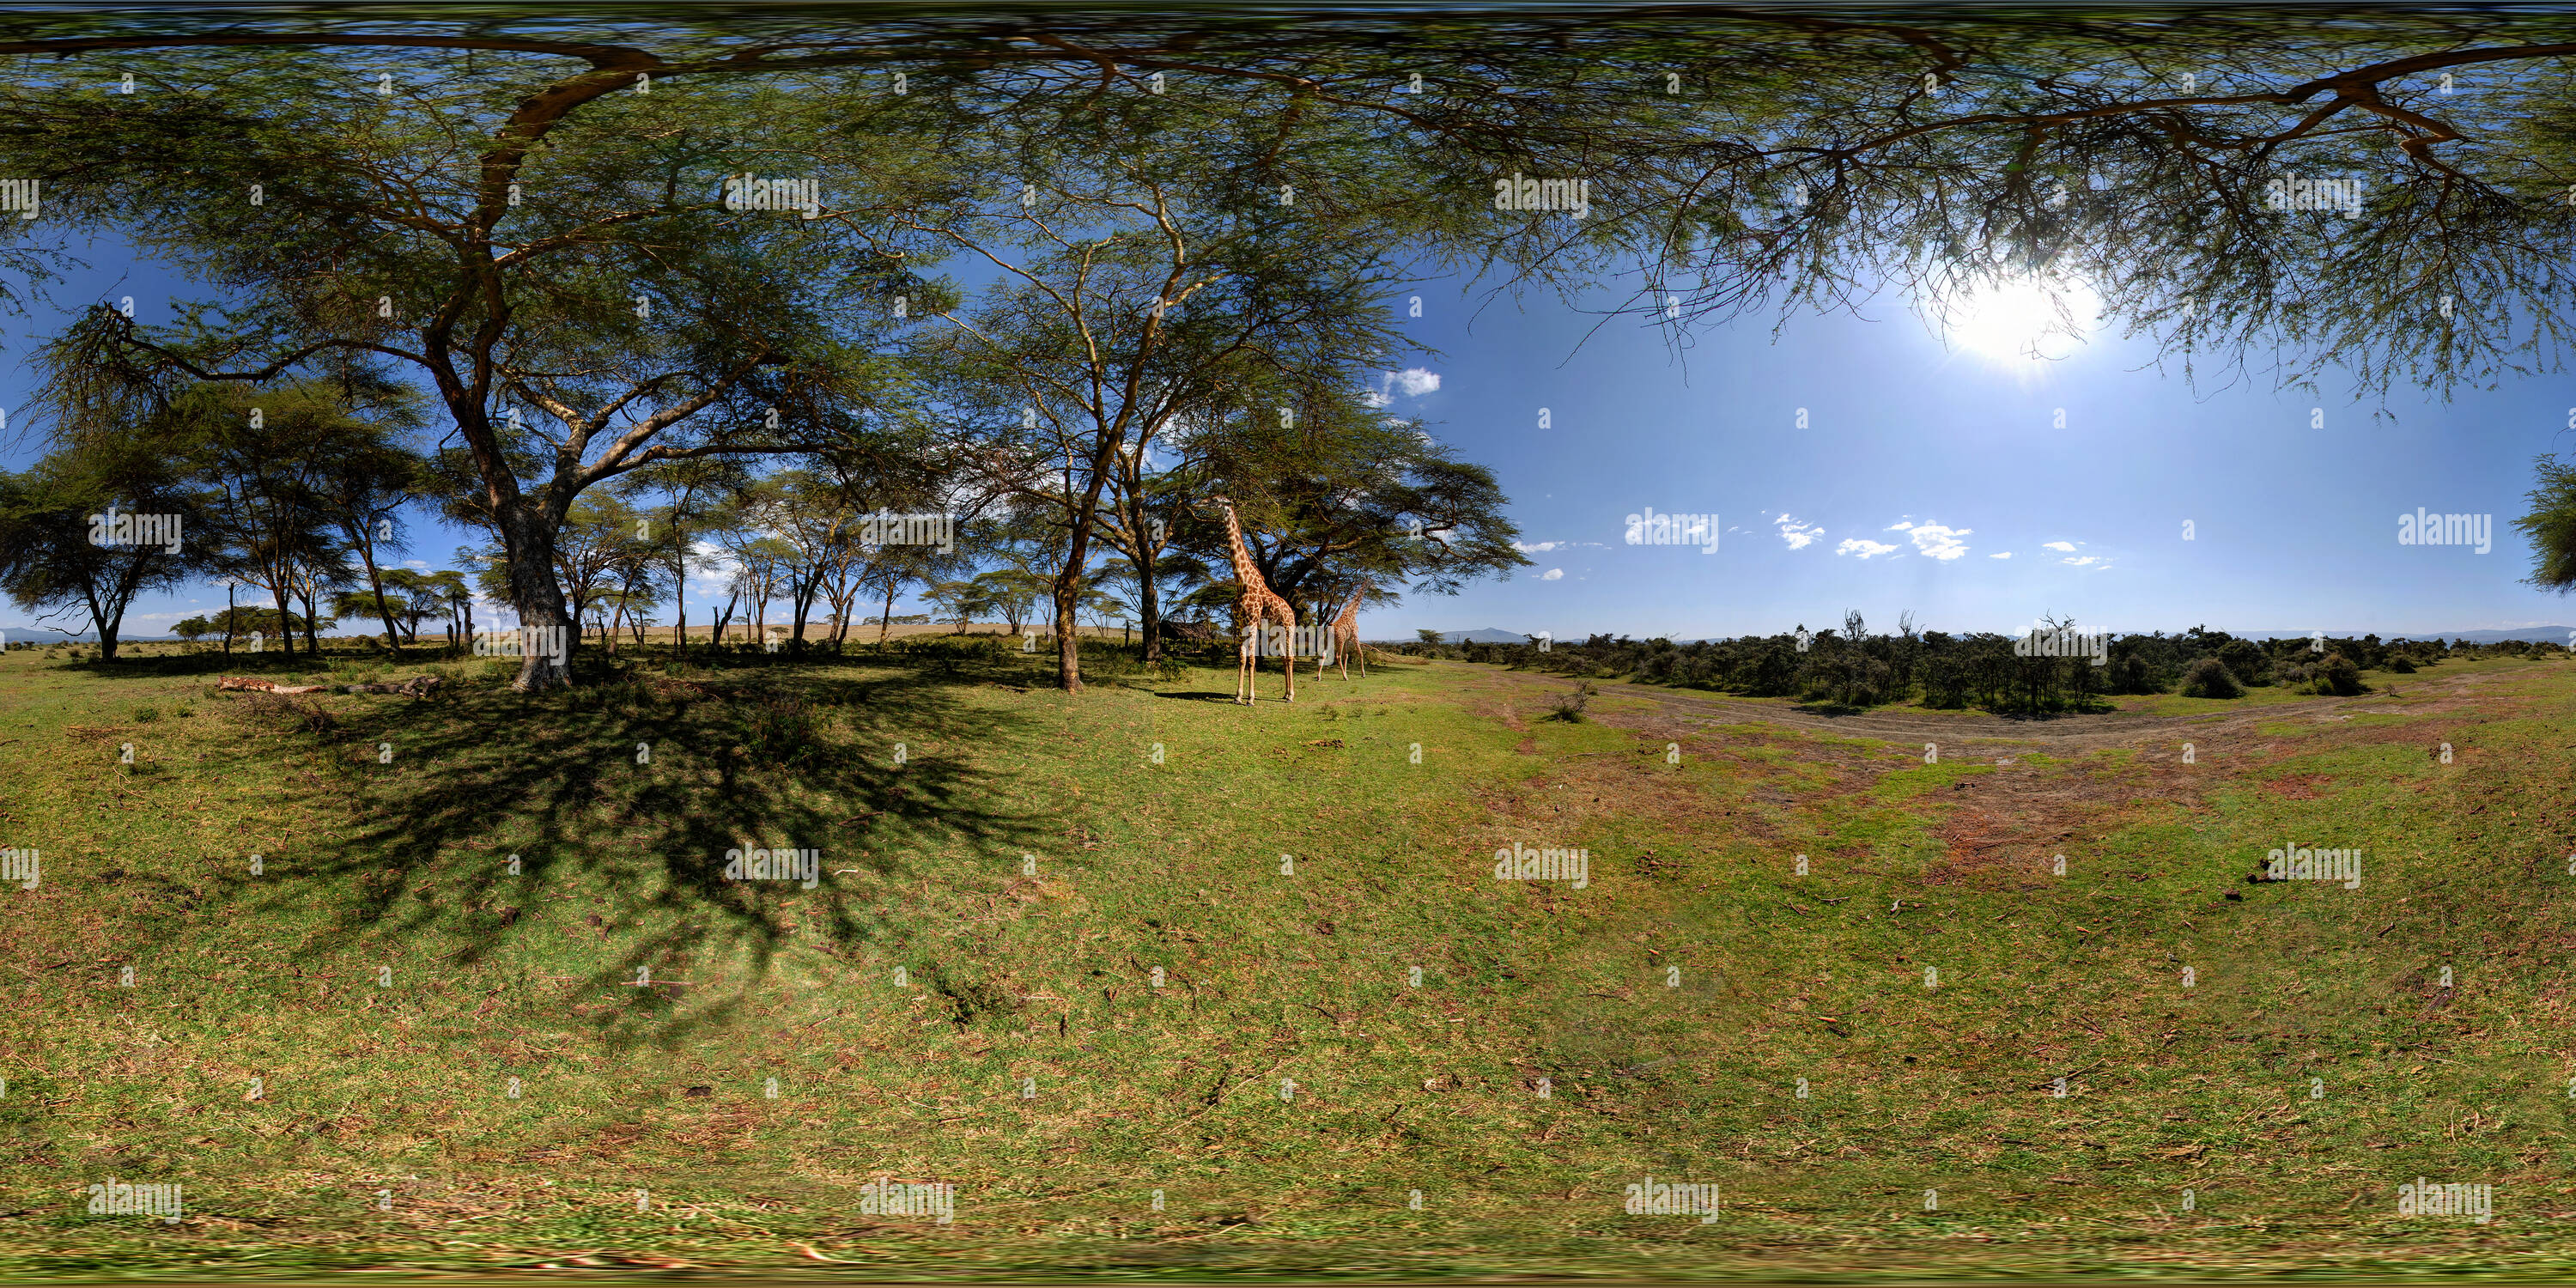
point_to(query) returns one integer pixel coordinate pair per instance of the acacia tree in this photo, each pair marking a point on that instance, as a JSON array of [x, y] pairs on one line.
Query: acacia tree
[[1350, 498], [369, 478], [268, 461], [1125, 301], [560, 270], [590, 547], [60, 550]]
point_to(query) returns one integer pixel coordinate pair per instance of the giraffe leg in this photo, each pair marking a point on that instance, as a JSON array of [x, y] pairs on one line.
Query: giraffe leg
[[1290, 617]]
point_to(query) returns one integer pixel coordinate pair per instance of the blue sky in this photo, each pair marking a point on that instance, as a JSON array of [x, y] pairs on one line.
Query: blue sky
[[2293, 528], [1927, 477]]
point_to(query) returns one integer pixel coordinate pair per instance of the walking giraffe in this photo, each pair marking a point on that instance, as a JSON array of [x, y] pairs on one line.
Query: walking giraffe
[[1254, 610], [1345, 640]]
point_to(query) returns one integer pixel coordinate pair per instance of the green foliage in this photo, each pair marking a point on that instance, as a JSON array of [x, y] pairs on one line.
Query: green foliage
[[2211, 678], [2247, 661], [2550, 525]]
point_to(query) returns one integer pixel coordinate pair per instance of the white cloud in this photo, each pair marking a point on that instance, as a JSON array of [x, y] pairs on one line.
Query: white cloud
[[1412, 382], [1535, 547], [1552, 574], [1798, 535], [2005, 555], [1898, 526], [421, 564], [1938, 542], [2062, 547], [2080, 562], [1865, 549]]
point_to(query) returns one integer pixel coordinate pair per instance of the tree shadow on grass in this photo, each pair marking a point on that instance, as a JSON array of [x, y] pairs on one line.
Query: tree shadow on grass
[[632, 791]]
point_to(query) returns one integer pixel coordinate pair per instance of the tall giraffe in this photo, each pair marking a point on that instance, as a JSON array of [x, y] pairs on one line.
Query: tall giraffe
[[1346, 629], [1254, 611]]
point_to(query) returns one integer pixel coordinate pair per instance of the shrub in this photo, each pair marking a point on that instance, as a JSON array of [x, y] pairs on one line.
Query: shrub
[[2398, 665], [146, 715], [2337, 675], [2210, 678], [782, 729], [2129, 675], [1569, 707], [2246, 661]]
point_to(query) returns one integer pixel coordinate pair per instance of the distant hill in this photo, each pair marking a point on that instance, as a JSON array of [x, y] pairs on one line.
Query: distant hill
[[2535, 634], [1488, 635]]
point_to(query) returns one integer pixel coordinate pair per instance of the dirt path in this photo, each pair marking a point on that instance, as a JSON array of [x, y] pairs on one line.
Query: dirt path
[[2421, 694]]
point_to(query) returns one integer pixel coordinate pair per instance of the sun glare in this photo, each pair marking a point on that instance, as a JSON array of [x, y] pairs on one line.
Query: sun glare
[[2024, 319]]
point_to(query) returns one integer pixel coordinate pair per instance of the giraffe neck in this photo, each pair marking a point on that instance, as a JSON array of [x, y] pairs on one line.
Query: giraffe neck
[[1243, 570]]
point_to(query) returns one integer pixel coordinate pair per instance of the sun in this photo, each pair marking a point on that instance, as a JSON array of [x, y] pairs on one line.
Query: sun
[[2024, 319]]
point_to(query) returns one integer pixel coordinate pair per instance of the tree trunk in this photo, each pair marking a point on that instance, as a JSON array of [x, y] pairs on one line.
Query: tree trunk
[[530, 551], [1149, 613], [311, 648], [376, 583], [106, 628], [803, 595], [679, 591], [1068, 583], [885, 620], [232, 615], [285, 615]]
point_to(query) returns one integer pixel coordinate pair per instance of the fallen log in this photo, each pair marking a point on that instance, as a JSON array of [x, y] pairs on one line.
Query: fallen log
[[253, 685], [418, 686]]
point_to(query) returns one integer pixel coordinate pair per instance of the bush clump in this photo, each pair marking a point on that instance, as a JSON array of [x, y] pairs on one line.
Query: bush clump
[[2210, 678], [2338, 676], [1569, 706], [2246, 661]]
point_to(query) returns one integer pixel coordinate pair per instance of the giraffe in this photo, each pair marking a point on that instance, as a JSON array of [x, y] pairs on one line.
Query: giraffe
[[1254, 611], [1345, 630]]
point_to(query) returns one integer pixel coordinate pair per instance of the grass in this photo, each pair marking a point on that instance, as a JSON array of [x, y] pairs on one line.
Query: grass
[[1288, 1087]]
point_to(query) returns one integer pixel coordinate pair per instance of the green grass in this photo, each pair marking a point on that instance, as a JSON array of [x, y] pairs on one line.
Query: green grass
[[385, 828]]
